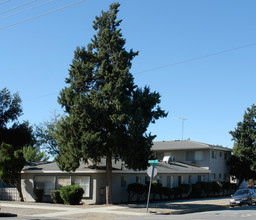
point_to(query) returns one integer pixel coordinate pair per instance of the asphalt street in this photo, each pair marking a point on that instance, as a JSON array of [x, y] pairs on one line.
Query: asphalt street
[[237, 213]]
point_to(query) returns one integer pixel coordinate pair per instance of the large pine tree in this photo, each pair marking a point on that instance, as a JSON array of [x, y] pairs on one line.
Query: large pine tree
[[107, 115]]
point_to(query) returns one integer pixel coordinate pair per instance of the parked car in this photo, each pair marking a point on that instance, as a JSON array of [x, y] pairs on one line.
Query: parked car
[[243, 197]]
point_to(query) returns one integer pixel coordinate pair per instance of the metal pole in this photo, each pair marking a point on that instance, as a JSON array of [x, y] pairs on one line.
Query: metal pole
[[182, 128], [150, 186]]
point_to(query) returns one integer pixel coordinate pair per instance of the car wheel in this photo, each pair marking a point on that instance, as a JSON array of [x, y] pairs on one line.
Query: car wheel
[[250, 202]]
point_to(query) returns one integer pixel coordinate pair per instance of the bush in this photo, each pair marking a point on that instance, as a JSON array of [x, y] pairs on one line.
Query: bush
[[136, 189], [39, 193], [185, 188], [55, 196], [71, 194]]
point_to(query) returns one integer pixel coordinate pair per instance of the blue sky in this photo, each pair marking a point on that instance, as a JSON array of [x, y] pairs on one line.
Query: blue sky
[[184, 54]]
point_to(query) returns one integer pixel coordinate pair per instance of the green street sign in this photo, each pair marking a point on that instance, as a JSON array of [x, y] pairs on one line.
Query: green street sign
[[152, 161]]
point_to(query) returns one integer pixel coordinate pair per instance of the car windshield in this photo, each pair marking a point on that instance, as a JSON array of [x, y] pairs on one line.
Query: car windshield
[[241, 192]]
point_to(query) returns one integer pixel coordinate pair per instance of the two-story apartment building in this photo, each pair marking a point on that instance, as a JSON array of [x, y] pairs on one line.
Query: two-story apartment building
[[211, 157]]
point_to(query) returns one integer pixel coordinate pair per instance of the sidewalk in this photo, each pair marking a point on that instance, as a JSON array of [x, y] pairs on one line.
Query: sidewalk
[[92, 212]]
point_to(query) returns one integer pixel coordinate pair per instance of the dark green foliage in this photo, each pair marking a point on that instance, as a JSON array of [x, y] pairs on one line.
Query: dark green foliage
[[10, 107], [11, 165], [33, 154], [46, 136], [196, 190], [72, 194], [167, 192], [107, 115], [39, 193], [184, 188], [136, 189], [56, 198], [13, 137], [243, 161]]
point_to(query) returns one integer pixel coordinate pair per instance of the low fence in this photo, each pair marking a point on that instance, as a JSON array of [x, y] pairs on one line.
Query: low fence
[[10, 194]]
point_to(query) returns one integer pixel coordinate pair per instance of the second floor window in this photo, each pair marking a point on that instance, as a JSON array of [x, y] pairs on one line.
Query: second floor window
[[194, 155]]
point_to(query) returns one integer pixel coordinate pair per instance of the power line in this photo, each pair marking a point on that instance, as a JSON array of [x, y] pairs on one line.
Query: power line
[[198, 58], [19, 6], [4, 2], [177, 63], [26, 9], [46, 13]]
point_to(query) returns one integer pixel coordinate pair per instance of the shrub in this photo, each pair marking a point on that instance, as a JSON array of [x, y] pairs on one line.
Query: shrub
[[39, 193], [185, 188], [196, 190], [137, 189], [71, 194], [55, 196]]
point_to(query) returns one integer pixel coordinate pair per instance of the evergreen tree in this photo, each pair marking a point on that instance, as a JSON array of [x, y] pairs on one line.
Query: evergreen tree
[[33, 154], [243, 161], [107, 115], [11, 165], [13, 137]]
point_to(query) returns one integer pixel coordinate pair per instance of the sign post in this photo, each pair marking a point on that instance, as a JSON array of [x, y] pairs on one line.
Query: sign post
[[152, 171]]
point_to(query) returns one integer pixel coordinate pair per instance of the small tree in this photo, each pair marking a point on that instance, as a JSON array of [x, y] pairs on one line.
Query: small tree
[[11, 165], [34, 154], [243, 161], [46, 136]]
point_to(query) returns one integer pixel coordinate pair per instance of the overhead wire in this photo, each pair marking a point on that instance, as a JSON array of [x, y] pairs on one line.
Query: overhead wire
[[198, 58], [177, 63], [19, 6], [27, 9], [46, 13], [4, 2]]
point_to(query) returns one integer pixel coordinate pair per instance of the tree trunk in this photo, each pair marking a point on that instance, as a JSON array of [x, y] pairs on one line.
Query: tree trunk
[[109, 179], [18, 187]]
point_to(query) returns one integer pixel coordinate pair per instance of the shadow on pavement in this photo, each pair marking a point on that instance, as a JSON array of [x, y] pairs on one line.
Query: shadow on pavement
[[7, 215]]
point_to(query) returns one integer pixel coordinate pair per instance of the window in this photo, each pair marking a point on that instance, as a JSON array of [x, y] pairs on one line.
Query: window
[[84, 182], [146, 180], [219, 175], [213, 176], [138, 179], [190, 156], [170, 181], [123, 181], [199, 178], [189, 180], [159, 179], [47, 183], [180, 180], [199, 155], [194, 155], [214, 154], [220, 154], [225, 156]]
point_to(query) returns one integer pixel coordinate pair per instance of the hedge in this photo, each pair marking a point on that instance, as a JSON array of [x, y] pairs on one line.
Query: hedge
[[71, 194]]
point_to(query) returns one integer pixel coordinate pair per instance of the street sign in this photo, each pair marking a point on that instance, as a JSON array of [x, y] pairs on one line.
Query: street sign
[[152, 161], [152, 172]]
